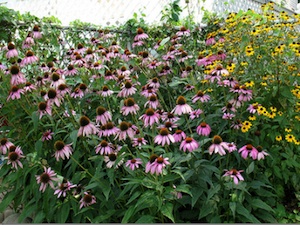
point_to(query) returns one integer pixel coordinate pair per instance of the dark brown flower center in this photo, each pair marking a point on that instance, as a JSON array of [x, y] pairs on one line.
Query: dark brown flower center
[[188, 140], [200, 94], [36, 28], [160, 160], [123, 68], [13, 156], [14, 89], [10, 46], [112, 157], [133, 161], [84, 121], [29, 53], [203, 124], [3, 141], [50, 64], [12, 148], [128, 85], [70, 67], [42, 106], [104, 143], [105, 88], [82, 87], [217, 139], [152, 98], [45, 178], [180, 100], [100, 110], [52, 93], [89, 51], [149, 112], [129, 102], [109, 125], [14, 70], [178, 131], [153, 157], [164, 131], [59, 145], [124, 126], [55, 76], [62, 87], [249, 147], [88, 198]]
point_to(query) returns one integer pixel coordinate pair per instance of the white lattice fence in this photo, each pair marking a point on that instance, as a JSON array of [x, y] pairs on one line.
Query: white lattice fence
[[116, 12]]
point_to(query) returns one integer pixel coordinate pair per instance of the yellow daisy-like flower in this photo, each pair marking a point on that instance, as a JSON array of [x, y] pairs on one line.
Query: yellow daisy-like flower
[[230, 67], [280, 113], [244, 129], [249, 83], [264, 84], [296, 142], [249, 51], [290, 138], [261, 110], [252, 118], [273, 109], [271, 115], [297, 118], [288, 130], [278, 138], [244, 63]]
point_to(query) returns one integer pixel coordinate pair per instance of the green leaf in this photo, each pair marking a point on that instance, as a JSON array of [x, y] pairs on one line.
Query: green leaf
[[128, 214], [185, 188], [38, 146], [213, 191], [133, 197], [7, 200], [167, 210], [205, 210], [64, 212], [146, 219], [258, 203], [35, 119], [250, 168], [241, 210], [39, 217], [73, 137], [232, 206]]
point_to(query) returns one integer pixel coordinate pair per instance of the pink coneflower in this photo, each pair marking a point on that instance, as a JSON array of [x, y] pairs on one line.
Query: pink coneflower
[[150, 117], [189, 144], [111, 159], [71, 71], [86, 127], [103, 116], [15, 93], [220, 71], [5, 144], [183, 32], [148, 91], [248, 150], [253, 107], [16, 76], [108, 129], [181, 107], [203, 61], [56, 80], [109, 75], [137, 43], [228, 108], [164, 137], [200, 96], [127, 90], [53, 97], [62, 90], [28, 42], [169, 125], [218, 146], [230, 82], [154, 83], [184, 56], [179, 135], [63, 188], [237, 124], [12, 52], [195, 114], [97, 66], [152, 102], [133, 163], [228, 116], [140, 35], [130, 107], [169, 116], [47, 135], [80, 49], [138, 142], [245, 97], [87, 200], [154, 64], [29, 58], [231, 147], [124, 72], [29, 87], [46, 178], [156, 167], [14, 158], [235, 175], [105, 92], [188, 87], [104, 148], [125, 131], [261, 153], [62, 150], [203, 129], [210, 41], [36, 32], [44, 108], [79, 91]]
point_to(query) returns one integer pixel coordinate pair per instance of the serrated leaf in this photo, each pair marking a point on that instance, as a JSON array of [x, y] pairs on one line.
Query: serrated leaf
[[167, 210]]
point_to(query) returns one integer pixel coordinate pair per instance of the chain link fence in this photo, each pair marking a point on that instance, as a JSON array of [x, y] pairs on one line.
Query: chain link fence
[[117, 12]]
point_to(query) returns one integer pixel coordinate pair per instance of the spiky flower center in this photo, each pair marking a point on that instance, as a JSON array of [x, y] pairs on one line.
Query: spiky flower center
[[129, 102], [152, 98], [50, 64], [164, 131], [36, 28], [88, 198], [178, 131], [168, 124], [234, 172], [84, 121], [180, 100], [188, 140], [29, 53], [104, 143], [160, 160], [100, 110], [108, 73], [52, 93], [82, 87], [79, 46], [3, 141], [45, 178], [14, 70], [89, 51], [133, 161], [140, 31], [153, 157], [62, 87], [70, 67], [249, 147], [259, 148], [203, 124], [109, 126], [112, 157], [12, 148], [123, 68], [128, 85], [124, 126], [105, 88], [10, 46], [149, 112], [13, 156], [14, 89], [145, 54], [217, 139], [42, 106], [59, 145], [200, 94], [55, 76]]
